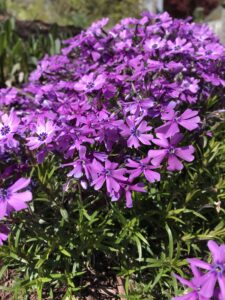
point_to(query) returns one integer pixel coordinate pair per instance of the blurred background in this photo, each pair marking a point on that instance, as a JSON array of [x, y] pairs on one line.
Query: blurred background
[[29, 29]]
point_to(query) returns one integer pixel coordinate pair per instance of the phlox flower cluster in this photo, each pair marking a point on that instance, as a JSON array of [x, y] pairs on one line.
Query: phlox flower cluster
[[208, 280], [118, 106]]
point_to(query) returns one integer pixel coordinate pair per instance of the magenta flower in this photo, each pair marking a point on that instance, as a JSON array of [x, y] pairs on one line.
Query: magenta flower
[[189, 119], [136, 131], [11, 200], [109, 174], [194, 284], [211, 51], [8, 127], [80, 165], [143, 166], [128, 188], [190, 84], [88, 83], [4, 232], [154, 43], [44, 133], [179, 45], [216, 271], [171, 152]]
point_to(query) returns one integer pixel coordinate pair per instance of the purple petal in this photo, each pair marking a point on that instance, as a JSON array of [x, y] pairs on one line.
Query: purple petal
[[184, 281], [199, 263], [168, 129], [3, 205], [129, 202], [112, 185], [98, 183], [145, 138], [189, 113], [152, 176], [208, 285], [176, 138], [19, 184], [185, 153], [133, 142], [221, 280], [190, 124], [157, 156], [162, 142], [214, 249], [174, 163]]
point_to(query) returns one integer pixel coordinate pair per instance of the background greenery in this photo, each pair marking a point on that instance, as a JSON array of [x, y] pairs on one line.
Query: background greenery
[[74, 12]]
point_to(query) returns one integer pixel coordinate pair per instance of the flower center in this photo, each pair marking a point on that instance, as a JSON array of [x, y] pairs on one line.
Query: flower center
[[5, 130], [218, 268], [177, 48], [90, 85], [42, 136], [186, 85], [143, 167], [107, 172], [4, 195], [208, 52], [134, 131], [171, 150], [154, 46]]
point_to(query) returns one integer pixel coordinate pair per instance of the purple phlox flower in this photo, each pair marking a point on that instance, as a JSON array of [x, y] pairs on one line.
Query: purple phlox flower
[[8, 127], [128, 188], [179, 46], [194, 284], [189, 119], [41, 68], [213, 79], [138, 106], [136, 132], [190, 84], [44, 133], [74, 139], [154, 44], [174, 66], [143, 166], [160, 109], [163, 19], [90, 83], [211, 51], [4, 232], [96, 27], [12, 200], [154, 65], [216, 271], [80, 165], [109, 174], [171, 152], [8, 96]]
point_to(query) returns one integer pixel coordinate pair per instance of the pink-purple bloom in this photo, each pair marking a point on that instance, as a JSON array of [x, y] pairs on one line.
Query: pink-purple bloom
[[4, 232], [12, 199], [8, 128], [109, 174], [170, 151], [88, 83], [209, 278], [43, 134], [189, 120], [114, 104], [137, 132]]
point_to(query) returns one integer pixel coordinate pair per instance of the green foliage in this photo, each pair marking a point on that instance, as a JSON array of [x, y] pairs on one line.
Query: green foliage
[[68, 236], [74, 12], [18, 56]]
